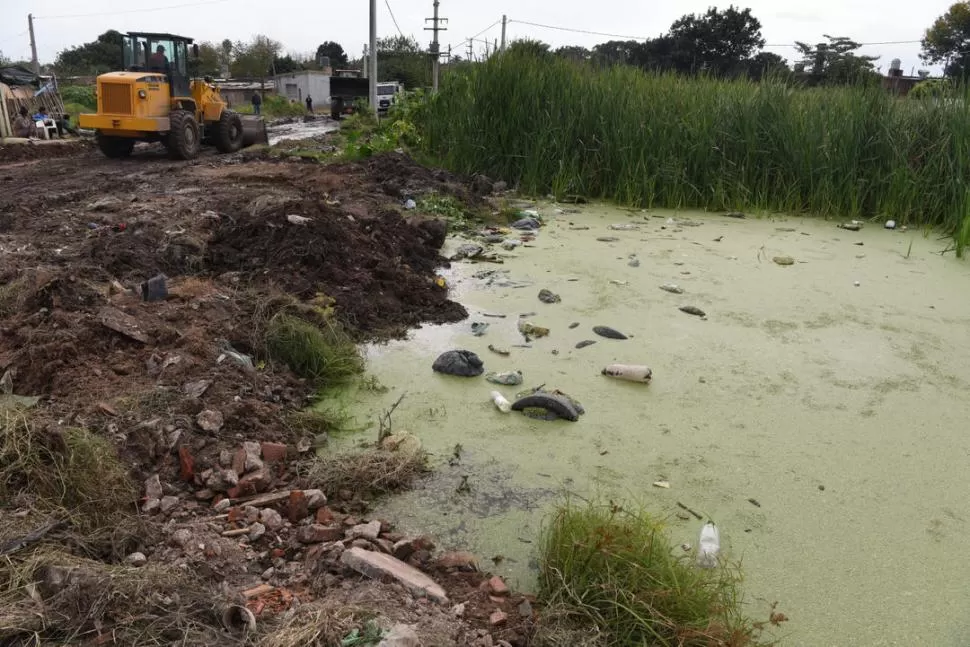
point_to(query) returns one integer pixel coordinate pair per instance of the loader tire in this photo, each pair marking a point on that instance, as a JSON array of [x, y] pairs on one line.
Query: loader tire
[[114, 147], [182, 140], [228, 132]]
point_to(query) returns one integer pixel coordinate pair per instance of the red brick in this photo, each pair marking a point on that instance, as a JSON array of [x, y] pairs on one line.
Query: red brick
[[497, 586], [235, 514], [273, 452], [460, 560], [296, 508], [186, 464], [315, 534], [497, 618], [324, 515], [250, 484]]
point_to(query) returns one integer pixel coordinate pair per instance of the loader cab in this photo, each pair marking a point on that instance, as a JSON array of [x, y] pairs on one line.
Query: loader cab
[[160, 53]]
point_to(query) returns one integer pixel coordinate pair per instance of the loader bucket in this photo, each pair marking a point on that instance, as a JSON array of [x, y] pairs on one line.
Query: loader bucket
[[254, 130]]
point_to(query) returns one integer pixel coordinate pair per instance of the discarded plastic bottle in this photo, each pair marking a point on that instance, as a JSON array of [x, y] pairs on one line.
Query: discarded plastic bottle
[[629, 372], [501, 403], [708, 546]]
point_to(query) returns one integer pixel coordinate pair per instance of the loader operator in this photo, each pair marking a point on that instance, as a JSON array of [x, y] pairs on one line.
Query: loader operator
[[158, 62]]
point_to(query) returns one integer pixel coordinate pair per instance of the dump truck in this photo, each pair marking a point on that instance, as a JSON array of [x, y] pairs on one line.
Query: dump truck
[[154, 100], [347, 88]]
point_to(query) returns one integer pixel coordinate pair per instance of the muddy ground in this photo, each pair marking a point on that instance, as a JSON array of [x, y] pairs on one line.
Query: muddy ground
[[182, 390]]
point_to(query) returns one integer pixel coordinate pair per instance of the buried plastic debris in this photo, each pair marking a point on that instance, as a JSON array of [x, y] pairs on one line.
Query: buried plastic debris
[[526, 224], [509, 378], [229, 352], [609, 333], [709, 546], [462, 363], [479, 328], [410, 204], [547, 296], [154, 289], [500, 402], [629, 372], [294, 219]]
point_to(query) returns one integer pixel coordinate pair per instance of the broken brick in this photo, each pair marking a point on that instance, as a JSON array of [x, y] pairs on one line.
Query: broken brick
[[297, 506], [186, 464], [497, 586], [250, 484], [497, 618], [273, 452], [315, 534], [324, 515]]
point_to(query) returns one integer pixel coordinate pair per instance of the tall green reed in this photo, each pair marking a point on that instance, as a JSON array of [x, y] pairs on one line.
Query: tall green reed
[[668, 141]]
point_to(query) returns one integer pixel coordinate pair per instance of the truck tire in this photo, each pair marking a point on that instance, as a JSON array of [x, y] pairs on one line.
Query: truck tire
[[228, 132], [114, 147], [182, 140]]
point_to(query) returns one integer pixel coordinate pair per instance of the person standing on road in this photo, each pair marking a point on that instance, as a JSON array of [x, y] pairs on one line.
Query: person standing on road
[[309, 104], [257, 102]]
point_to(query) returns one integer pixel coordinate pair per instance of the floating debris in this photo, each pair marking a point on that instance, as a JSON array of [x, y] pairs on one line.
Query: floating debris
[[607, 239], [634, 261], [693, 310], [509, 378], [673, 288], [547, 296], [890, 224], [629, 372], [625, 227], [609, 333], [499, 351], [783, 260], [662, 484], [585, 343], [531, 330], [542, 405], [479, 328], [855, 225], [574, 324]]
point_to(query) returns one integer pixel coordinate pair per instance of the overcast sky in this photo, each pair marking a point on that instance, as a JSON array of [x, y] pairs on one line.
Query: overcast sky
[[302, 24]]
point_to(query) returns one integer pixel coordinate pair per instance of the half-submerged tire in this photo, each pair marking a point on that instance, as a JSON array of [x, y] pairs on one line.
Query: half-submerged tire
[[556, 404]]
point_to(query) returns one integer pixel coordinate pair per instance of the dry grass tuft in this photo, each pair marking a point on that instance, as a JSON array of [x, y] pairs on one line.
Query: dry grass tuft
[[369, 472], [70, 471], [318, 625], [51, 597]]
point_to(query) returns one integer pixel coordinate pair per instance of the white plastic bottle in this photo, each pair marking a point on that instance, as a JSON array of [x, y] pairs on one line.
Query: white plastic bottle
[[501, 403], [629, 372], [708, 546]]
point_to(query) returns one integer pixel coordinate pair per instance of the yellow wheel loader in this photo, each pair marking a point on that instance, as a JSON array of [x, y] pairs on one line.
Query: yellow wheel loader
[[154, 100]]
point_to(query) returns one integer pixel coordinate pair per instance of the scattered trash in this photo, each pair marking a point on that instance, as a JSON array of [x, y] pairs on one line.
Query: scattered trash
[[629, 372], [625, 227], [547, 296], [509, 378], [607, 239], [662, 484], [462, 363], [530, 330], [154, 289], [494, 238], [501, 403], [499, 351], [528, 223], [479, 328], [410, 204], [609, 333], [440, 282], [240, 359], [510, 244], [574, 324], [708, 546], [856, 283], [634, 261], [298, 220], [554, 404], [754, 502], [468, 250], [673, 288], [493, 315], [585, 343], [855, 225], [735, 214], [719, 239], [693, 310], [686, 509], [783, 260], [618, 282]]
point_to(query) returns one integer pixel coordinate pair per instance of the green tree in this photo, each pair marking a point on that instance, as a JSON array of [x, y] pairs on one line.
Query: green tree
[[834, 63], [617, 52], [574, 53], [333, 50], [255, 58], [767, 65], [225, 56], [401, 59], [209, 62], [103, 54], [717, 42], [285, 64], [948, 41], [529, 47]]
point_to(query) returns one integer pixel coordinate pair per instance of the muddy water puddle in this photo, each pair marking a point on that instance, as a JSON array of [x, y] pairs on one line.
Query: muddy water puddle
[[300, 130], [818, 413]]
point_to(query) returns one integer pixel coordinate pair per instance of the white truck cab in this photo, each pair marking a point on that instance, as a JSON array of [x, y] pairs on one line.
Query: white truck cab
[[387, 92]]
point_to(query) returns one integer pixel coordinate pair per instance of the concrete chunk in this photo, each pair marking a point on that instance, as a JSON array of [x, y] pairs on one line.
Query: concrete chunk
[[378, 566]]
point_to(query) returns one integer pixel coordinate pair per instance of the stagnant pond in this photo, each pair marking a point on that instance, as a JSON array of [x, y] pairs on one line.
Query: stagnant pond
[[819, 414]]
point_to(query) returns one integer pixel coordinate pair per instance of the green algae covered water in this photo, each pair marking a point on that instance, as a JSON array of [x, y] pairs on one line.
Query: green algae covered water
[[818, 413]]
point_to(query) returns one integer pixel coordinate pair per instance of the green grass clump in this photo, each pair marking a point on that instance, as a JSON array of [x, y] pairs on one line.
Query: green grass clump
[[616, 570], [322, 353], [274, 106], [70, 472], [647, 140]]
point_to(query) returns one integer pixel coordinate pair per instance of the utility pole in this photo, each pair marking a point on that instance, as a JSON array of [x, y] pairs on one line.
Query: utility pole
[[505, 21], [34, 63], [435, 50], [373, 56], [470, 45]]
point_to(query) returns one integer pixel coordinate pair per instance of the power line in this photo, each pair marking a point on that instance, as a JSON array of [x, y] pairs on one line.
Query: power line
[[127, 11], [393, 19], [497, 22], [599, 33]]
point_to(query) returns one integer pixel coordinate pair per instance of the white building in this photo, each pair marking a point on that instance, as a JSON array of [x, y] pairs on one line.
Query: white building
[[298, 85]]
